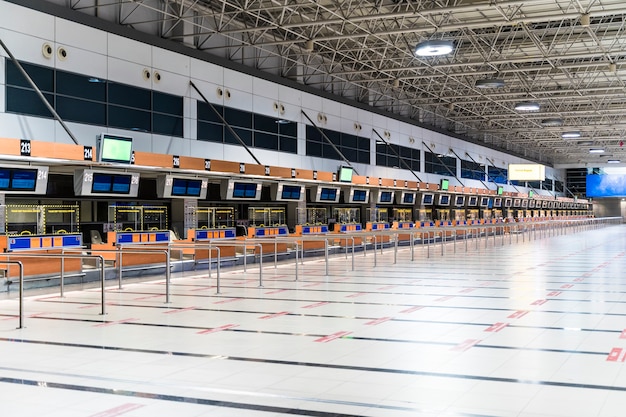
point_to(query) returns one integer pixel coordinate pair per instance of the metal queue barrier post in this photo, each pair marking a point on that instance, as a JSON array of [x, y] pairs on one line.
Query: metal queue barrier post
[[20, 289]]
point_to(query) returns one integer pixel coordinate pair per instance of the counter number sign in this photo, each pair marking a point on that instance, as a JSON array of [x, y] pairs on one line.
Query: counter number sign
[[24, 147]]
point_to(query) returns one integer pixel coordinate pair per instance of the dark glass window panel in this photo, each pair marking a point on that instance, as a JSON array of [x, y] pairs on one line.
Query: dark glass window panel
[[393, 161], [314, 149], [516, 182], [211, 132], [207, 114], [415, 165], [42, 76], [405, 152], [126, 118], [244, 134], [239, 118], [350, 154], [167, 103], [288, 129], [78, 86], [288, 144], [381, 159], [534, 184], [265, 124], [364, 144], [265, 140], [349, 141], [126, 95], [547, 185], [81, 111], [329, 152], [364, 157], [24, 101], [558, 186], [315, 135], [334, 136], [167, 125]]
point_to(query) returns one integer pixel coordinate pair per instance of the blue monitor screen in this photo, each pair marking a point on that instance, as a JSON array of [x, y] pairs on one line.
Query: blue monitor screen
[[291, 192], [427, 199], [101, 183], [244, 190], [611, 185], [328, 194], [359, 195], [121, 184], [108, 183], [5, 179], [24, 179], [186, 187], [385, 196], [460, 200], [444, 200], [408, 198]]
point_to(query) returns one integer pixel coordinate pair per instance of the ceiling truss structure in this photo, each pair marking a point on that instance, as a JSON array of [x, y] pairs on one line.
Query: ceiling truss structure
[[567, 55]]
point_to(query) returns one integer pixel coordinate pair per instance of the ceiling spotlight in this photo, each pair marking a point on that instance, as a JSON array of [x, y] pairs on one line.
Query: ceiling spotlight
[[527, 106], [596, 150], [490, 83], [612, 161], [308, 45], [434, 48], [571, 135], [552, 121]]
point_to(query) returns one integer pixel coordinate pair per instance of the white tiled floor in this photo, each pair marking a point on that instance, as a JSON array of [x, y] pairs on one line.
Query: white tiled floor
[[523, 329]]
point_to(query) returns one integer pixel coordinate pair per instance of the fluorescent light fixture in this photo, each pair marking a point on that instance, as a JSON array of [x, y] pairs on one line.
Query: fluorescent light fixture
[[585, 143], [490, 83], [571, 135], [596, 150], [527, 106], [552, 121], [612, 161], [434, 48]]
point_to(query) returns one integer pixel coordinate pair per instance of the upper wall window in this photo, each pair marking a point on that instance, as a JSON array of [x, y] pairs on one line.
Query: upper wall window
[[498, 175], [472, 170], [396, 156], [354, 148], [254, 130], [84, 99], [439, 164]]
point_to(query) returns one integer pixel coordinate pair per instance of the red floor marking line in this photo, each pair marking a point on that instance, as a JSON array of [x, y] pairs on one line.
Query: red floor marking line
[[412, 309], [616, 355], [567, 285], [321, 303], [378, 321], [554, 293], [218, 329], [112, 323], [117, 411], [271, 316], [230, 300], [446, 298], [388, 287], [496, 327], [38, 314], [623, 334], [341, 279], [148, 296], [539, 302], [579, 279], [89, 306], [518, 314], [180, 310], [469, 343], [331, 337], [276, 291], [466, 290], [50, 297], [358, 294]]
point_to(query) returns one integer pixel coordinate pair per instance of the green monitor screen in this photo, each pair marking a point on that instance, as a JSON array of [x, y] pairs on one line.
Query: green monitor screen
[[116, 149], [444, 185]]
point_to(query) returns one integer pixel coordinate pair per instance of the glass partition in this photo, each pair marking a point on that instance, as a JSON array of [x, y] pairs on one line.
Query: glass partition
[[138, 218], [347, 215], [266, 216], [41, 219], [312, 215]]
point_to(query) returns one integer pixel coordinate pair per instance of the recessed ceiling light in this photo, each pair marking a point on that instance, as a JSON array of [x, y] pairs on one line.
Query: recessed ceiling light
[[571, 135], [490, 83], [552, 121], [585, 143], [527, 106], [596, 150], [612, 161], [434, 48]]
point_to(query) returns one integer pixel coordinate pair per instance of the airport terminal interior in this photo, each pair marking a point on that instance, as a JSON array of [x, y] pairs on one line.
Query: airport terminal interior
[[330, 208]]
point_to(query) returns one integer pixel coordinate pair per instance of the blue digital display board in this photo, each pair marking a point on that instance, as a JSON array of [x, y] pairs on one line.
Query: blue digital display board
[[606, 185]]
